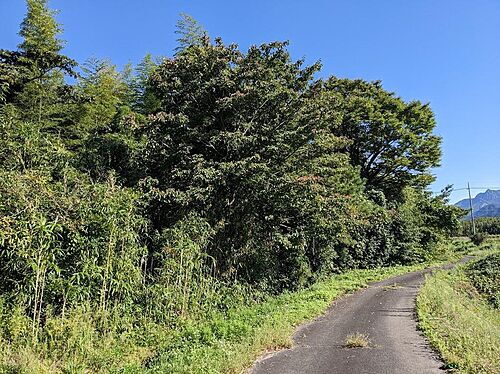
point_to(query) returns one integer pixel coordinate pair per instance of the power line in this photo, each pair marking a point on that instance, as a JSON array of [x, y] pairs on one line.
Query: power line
[[472, 188], [475, 188]]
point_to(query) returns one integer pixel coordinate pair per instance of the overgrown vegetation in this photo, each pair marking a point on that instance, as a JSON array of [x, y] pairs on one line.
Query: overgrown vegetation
[[456, 316], [137, 203], [222, 342], [484, 274]]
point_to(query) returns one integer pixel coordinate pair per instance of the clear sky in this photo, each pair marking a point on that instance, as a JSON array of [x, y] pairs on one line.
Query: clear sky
[[445, 52]]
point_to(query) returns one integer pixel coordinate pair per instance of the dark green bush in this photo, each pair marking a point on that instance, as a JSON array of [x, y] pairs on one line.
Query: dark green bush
[[478, 238]]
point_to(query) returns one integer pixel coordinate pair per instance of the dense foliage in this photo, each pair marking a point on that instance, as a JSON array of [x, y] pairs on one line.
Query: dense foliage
[[485, 276], [197, 182], [484, 225]]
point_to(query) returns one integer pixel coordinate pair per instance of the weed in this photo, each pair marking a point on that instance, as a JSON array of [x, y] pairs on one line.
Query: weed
[[357, 340], [484, 274]]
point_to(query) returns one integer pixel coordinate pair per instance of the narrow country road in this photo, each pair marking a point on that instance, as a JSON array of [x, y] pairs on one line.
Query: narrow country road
[[385, 311]]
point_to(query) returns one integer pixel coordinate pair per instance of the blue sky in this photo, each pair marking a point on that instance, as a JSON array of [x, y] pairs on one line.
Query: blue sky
[[445, 52]]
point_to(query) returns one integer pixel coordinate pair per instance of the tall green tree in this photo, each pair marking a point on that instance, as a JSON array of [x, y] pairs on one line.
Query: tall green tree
[[105, 121], [240, 139], [190, 32], [140, 96], [105, 90], [390, 140], [39, 29], [34, 99], [33, 77]]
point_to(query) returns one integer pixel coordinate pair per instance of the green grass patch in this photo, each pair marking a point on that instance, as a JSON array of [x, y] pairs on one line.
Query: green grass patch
[[357, 340], [460, 323]]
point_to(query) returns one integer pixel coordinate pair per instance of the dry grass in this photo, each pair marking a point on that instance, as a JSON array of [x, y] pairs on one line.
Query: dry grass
[[357, 340]]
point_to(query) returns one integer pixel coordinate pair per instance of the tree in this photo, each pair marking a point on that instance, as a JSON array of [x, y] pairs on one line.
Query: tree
[[19, 70], [104, 122], [390, 140], [233, 141], [39, 29], [190, 32], [35, 73], [105, 91], [140, 95]]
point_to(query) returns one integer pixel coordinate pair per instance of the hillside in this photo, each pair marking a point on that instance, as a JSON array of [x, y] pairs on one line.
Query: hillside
[[484, 204]]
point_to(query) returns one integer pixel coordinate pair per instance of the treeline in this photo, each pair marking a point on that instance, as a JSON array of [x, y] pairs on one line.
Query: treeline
[[190, 183], [484, 225]]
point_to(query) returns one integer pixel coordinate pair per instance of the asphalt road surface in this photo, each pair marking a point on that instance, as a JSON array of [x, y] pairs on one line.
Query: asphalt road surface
[[385, 311]]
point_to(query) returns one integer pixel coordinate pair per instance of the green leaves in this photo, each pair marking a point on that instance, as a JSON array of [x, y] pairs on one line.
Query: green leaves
[[391, 140], [190, 32], [53, 231], [21, 69], [228, 133], [484, 274], [278, 164], [39, 29]]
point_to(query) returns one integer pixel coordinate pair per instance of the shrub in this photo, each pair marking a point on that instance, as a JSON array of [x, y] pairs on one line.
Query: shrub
[[478, 238]]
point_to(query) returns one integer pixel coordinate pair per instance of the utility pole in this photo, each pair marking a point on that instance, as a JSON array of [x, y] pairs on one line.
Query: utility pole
[[471, 212]]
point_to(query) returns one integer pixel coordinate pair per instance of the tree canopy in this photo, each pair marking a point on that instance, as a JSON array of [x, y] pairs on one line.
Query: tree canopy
[[390, 140]]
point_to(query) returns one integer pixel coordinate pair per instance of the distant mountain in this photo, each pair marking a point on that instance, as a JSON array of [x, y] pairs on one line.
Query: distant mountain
[[488, 211], [485, 204]]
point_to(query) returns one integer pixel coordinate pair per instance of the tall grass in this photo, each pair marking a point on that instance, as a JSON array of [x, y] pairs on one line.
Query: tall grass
[[460, 323]]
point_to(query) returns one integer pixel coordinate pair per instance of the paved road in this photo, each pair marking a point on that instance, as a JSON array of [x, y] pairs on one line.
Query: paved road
[[384, 311]]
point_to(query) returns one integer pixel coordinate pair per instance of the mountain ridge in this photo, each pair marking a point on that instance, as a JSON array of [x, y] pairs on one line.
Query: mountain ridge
[[484, 204]]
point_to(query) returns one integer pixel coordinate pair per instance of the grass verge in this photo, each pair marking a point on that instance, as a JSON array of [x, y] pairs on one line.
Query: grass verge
[[222, 342], [231, 343], [460, 323]]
